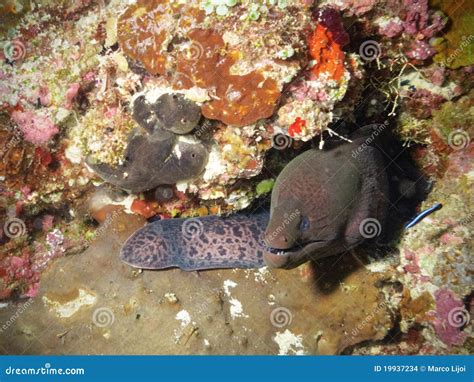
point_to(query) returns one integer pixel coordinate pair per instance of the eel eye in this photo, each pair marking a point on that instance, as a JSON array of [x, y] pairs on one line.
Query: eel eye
[[304, 223]]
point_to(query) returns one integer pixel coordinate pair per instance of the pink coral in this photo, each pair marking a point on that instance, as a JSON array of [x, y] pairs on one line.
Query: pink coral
[[89, 76], [391, 29], [412, 266], [44, 96], [417, 16], [37, 129], [357, 7], [71, 93], [47, 222], [420, 50], [19, 275], [54, 248], [422, 102], [301, 90], [437, 23], [451, 316], [419, 21], [436, 74]]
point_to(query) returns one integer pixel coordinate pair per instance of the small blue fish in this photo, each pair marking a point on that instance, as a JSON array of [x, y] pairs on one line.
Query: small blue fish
[[423, 214]]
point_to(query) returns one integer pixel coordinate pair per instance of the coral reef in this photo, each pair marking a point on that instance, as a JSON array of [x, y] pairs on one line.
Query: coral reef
[[455, 48], [116, 112]]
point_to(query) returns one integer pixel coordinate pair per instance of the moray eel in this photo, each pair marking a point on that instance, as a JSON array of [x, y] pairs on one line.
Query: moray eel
[[322, 202], [199, 243], [319, 205]]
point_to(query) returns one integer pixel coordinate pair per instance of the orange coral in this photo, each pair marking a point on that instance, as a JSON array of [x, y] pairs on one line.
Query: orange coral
[[162, 35], [239, 100], [296, 127], [146, 28], [143, 207], [327, 52]]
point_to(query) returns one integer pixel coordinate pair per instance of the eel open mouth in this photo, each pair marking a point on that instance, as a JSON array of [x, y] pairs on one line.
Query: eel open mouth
[[295, 249]]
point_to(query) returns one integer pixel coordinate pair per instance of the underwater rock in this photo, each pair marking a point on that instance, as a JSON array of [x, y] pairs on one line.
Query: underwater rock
[[455, 48], [309, 103], [176, 113], [143, 114], [146, 29], [164, 193], [152, 160], [240, 99], [172, 112], [118, 50], [37, 129], [248, 68], [234, 153], [102, 135]]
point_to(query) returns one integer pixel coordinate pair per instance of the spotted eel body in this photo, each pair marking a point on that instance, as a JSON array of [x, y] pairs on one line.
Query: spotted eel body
[[199, 243]]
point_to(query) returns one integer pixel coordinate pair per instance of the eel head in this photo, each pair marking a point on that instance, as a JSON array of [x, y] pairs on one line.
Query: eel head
[[289, 236]]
